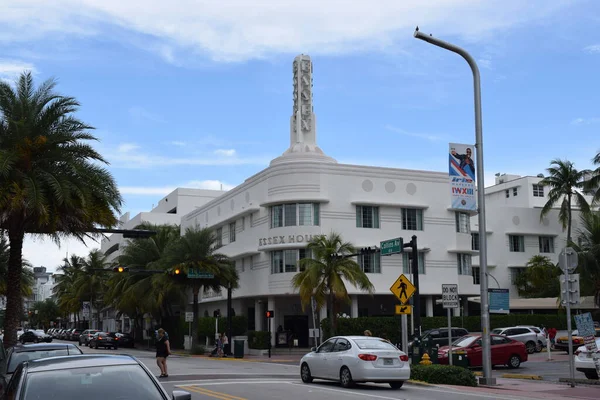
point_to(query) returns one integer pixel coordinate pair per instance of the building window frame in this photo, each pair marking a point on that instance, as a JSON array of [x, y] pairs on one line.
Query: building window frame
[[464, 263], [219, 235], [412, 219], [546, 244], [407, 263], [507, 193], [475, 271], [516, 243], [538, 190], [367, 217], [463, 222], [287, 261], [475, 241], [232, 226], [294, 214], [370, 263], [515, 191]]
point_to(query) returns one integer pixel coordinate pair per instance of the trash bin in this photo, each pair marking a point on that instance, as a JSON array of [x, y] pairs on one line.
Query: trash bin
[[238, 349], [460, 359]]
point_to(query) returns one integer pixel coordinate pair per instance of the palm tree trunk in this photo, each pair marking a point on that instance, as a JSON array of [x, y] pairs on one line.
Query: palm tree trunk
[[14, 299], [332, 312], [195, 291], [570, 220]]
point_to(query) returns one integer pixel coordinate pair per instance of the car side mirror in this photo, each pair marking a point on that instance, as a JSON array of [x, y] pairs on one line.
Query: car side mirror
[[181, 395], [313, 349]]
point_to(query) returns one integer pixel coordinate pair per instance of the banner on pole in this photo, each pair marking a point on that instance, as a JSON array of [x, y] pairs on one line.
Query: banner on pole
[[461, 171]]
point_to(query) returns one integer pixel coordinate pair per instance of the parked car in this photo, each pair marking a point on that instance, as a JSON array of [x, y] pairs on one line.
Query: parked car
[[20, 353], [542, 341], [3, 363], [521, 334], [35, 337], [584, 361], [438, 337], [123, 339], [102, 339], [350, 359], [504, 351], [84, 338], [88, 377], [562, 343], [74, 335]]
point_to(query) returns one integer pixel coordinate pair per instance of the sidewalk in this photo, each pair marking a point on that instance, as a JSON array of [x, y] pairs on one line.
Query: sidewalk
[[534, 390], [279, 358]]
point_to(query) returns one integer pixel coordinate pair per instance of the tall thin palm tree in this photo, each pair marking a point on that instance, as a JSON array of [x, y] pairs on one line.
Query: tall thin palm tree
[[588, 250], [322, 276], [90, 283], [567, 185], [593, 181], [52, 182], [197, 248], [65, 290]]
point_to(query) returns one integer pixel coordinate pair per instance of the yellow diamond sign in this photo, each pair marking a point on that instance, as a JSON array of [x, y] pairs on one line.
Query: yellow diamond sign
[[403, 289]]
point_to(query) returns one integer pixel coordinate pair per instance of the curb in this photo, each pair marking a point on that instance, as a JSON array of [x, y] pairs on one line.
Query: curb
[[265, 360], [419, 383], [522, 376], [581, 381]]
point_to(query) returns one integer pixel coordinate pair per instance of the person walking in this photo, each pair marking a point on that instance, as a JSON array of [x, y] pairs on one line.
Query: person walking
[[552, 336], [225, 344], [163, 350]]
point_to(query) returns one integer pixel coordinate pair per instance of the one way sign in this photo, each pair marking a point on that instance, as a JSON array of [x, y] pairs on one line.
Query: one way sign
[[402, 309]]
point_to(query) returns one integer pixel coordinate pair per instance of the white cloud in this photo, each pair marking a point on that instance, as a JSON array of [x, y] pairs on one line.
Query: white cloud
[[127, 147], [593, 49], [237, 30], [225, 152], [585, 121], [164, 190], [11, 69], [431, 138], [42, 251]]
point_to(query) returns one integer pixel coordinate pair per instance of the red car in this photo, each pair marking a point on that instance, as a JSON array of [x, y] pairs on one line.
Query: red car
[[505, 351]]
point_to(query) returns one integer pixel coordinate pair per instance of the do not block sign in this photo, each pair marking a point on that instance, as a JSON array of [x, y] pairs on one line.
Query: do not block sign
[[450, 297]]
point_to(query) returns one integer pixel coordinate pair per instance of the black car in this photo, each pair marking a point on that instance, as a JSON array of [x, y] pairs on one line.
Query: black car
[[3, 380], [122, 339], [35, 337], [435, 337], [26, 352], [102, 339], [90, 377]]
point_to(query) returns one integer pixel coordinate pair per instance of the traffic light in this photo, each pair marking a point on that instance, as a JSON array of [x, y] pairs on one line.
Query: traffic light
[[368, 250], [217, 313], [120, 269], [175, 272], [270, 314]]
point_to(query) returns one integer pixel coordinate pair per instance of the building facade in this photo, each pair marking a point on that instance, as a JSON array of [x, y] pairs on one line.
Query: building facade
[[265, 223]]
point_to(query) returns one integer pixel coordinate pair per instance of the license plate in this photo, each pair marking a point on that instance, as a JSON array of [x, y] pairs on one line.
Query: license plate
[[388, 361]]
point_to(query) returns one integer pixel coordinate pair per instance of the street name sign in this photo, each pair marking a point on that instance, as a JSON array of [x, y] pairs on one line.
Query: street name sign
[[585, 327], [195, 273], [499, 301], [392, 246], [189, 316], [450, 297], [403, 289], [403, 310]]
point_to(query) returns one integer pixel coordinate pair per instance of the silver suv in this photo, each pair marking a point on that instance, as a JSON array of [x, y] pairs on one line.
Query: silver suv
[[523, 335]]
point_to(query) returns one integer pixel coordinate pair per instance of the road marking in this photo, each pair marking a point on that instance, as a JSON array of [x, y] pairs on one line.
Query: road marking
[[212, 393]]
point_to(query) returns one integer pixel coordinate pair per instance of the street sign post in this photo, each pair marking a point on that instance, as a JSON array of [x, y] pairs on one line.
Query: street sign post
[[568, 262], [392, 246], [450, 300], [585, 327], [403, 309], [189, 318], [195, 273], [568, 259], [403, 289]]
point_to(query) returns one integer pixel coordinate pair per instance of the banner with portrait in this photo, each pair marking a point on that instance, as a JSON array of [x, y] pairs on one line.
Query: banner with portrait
[[462, 177]]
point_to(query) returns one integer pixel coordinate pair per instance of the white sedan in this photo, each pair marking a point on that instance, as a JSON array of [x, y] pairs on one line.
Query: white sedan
[[350, 359], [584, 361]]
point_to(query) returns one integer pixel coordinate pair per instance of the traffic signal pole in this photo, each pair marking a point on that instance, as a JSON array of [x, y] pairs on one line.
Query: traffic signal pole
[[229, 318], [416, 296]]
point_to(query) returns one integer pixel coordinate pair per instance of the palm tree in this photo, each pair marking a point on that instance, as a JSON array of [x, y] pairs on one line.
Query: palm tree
[[197, 249], [51, 181], [90, 283], [566, 185], [322, 276], [588, 250], [593, 183], [65, 290], [540, 278]]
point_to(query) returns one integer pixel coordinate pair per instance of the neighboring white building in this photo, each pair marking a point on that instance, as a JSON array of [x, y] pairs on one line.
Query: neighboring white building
[[265, 223]]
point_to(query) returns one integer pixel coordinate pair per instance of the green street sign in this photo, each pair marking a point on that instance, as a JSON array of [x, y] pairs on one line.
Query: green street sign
[[194, 273], [392, 246]]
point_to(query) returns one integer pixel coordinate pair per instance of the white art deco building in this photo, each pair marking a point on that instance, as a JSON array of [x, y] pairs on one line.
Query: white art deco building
[[265, 223]]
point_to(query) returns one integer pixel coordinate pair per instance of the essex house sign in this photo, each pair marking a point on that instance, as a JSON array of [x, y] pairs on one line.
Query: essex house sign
[[284, 239]]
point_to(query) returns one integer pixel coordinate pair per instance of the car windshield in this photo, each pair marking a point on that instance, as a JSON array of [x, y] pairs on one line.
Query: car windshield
[[18, 358], [497, 331], [374, 344], [93, 383], [464, 341]]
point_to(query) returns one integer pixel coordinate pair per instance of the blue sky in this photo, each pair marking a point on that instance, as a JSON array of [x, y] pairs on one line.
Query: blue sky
[[199, 93]]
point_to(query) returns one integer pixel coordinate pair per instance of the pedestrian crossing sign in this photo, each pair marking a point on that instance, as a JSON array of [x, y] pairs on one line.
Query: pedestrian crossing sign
[[403, 289], [403, 310]]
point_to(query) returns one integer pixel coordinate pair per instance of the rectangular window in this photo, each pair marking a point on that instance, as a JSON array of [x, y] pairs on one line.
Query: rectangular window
[[277, 216], [243, 260], [463, 222], [291, 260], [407, 263], [516, 243], [546, 244], [243, 223], [367, 217], [538, 191], [515, 191], [474, 241], [219, 235], [464, 264], [476, 279], [316, 216], [290, 214], [305, 214], [277, 262], [412, 219], [370, 263], [514, 274], [302, 254], [251, 220], [507, 192], [232, 232]]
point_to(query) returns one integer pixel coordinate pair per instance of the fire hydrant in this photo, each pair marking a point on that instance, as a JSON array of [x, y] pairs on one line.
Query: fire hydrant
[[425, 360]]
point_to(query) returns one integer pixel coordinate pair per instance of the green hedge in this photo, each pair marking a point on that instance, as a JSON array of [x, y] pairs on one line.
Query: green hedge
[[258, 340], [390, 326], [443, 375]]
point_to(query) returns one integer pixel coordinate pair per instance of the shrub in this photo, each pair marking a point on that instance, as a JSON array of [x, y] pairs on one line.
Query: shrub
[[258, 340], [198, 350], [443, 375]]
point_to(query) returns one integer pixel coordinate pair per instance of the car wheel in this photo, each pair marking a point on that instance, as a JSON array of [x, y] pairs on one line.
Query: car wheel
[[396, 385], [530, 347], [346, 377], [591, 375], [514, 361], [539, 346], [305, 373]]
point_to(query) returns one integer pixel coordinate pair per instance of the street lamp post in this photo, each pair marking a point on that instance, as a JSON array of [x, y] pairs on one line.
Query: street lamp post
[[487, 378]]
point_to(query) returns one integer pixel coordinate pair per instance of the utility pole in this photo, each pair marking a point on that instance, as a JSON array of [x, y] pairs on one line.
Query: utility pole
[[229, 318], [416, 300]]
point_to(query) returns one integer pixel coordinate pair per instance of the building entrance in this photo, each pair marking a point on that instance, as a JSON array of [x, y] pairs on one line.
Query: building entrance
[[297, 328]]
